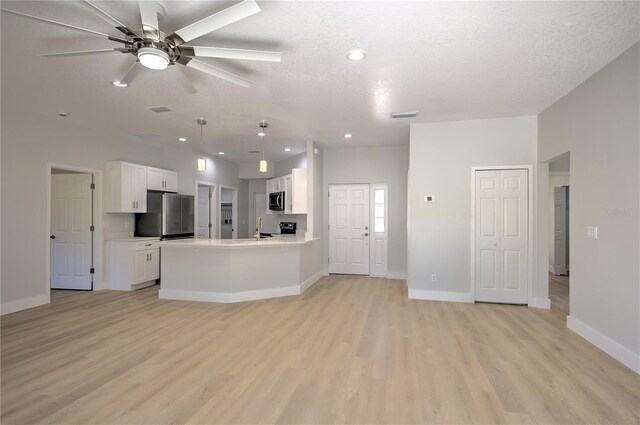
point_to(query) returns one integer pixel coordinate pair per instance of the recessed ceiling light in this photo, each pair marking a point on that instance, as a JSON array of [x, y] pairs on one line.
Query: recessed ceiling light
[[220, 153], [356, 55], [118, 84], [262, 134], [182, 139], [348, 136], [287, 149]]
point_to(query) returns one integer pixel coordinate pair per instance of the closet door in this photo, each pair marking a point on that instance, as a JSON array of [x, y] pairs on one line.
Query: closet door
[[501, 236]]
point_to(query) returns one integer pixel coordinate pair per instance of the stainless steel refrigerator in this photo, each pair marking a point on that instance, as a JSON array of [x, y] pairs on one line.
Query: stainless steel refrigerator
[[168, 216]]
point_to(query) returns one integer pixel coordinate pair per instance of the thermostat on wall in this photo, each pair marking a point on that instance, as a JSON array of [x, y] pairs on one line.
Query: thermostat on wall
[[429, 199]]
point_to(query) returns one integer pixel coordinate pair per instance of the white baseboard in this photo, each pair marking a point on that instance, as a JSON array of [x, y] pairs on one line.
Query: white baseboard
[[396, 275], [311, 281], [25, 303], [544, 303], [325, 272], [603, 342], [423, 294]]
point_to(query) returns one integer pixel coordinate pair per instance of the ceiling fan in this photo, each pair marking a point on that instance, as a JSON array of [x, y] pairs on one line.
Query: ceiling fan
[[154, 49]]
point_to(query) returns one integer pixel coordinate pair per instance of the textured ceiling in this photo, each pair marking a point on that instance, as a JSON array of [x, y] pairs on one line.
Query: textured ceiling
[[449, 60]]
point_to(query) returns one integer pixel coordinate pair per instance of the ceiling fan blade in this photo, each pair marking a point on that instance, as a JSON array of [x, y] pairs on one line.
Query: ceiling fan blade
[[216, 21], [111, 20], [220, 52], [149, 17], [132, 73], [110, 37], [182, 80], [220, 73], [83, 52]]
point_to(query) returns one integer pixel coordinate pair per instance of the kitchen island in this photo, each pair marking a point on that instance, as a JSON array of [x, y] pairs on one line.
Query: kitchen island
[[234, 270]]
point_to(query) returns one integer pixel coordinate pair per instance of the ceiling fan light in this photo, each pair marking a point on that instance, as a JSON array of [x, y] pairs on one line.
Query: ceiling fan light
[[263, 166], [202, 164], [153, 58]]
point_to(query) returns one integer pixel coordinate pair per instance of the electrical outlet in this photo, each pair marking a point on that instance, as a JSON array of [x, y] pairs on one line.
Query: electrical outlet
[[592, 232], [434, 278]]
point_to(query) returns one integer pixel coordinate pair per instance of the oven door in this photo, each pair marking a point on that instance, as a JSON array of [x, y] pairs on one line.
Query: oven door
[[276, 201]]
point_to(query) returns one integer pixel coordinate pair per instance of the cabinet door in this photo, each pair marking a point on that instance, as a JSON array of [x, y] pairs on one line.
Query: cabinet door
[[140, 266], [155, 179], [152, 271], [170, 181], [127, 201], [288, 195], [299, 191], [140, 188]]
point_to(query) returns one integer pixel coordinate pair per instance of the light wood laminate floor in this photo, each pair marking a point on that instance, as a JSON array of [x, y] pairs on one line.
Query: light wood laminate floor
[[349, 350]]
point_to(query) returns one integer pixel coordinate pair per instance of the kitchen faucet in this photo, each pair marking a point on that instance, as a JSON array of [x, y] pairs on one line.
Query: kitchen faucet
[[258, 227]]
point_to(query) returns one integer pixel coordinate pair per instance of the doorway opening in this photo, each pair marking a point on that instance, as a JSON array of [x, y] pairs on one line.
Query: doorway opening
[[206, 211], [269, 224], [559, 246], [358, 230], [228, 217], [72, 239]]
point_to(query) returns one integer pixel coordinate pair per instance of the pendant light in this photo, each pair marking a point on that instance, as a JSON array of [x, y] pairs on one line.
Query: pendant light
[[202, 163], [263, 133]]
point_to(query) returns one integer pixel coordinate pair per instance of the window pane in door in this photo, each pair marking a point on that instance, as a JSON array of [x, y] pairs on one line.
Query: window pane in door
[[379, 225], [379, 211], [379, 196]]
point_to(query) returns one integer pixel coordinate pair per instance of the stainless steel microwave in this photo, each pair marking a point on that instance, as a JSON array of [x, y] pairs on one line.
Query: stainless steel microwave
[[276, 201]]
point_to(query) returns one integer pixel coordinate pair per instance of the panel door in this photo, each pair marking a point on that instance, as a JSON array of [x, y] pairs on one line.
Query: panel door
[[140, 188], [170, 181], [501, 238], [126, 188], [349, 229], [560, 230], [152, 265], [155, 179], [140, 266], [70, 231], [204, 213]]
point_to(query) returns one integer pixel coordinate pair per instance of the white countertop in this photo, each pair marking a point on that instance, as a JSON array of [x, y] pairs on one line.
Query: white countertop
[[237, 243], [135, 239]]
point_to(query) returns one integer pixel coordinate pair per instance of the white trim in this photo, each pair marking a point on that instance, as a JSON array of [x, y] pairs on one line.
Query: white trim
[[544, 303], [559, 173], [603, 342], [98, 241], [311, 281], [423, 294], [235, 297], [325, 272], [25, 303], [396, 275], [530, 177], [380, 272]]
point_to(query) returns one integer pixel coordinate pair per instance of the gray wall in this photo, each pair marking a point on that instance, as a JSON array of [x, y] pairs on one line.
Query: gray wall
[[284, 167], [442, 155], [28, 143], [388, 164], [598, 123]]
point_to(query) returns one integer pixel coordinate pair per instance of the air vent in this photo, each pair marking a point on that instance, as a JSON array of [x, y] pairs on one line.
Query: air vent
[[410, 114], [254, 152], [160, 109]]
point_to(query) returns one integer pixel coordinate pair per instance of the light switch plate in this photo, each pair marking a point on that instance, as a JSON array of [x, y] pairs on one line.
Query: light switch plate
[[592, 232]]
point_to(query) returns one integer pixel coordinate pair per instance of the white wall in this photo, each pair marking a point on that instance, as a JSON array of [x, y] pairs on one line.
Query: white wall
[[441, 157], [30, 142], [388, 164], [598, 123]]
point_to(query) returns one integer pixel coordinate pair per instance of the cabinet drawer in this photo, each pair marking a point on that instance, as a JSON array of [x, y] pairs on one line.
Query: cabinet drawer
[[143, 245]]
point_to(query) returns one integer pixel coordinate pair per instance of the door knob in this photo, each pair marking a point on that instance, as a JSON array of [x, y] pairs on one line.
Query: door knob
[[495, 244], [365, 234], [52, 237]]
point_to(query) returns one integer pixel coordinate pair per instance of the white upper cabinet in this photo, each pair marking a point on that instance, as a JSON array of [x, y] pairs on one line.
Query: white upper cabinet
[[126, 187], [298, 195], [164, 180]]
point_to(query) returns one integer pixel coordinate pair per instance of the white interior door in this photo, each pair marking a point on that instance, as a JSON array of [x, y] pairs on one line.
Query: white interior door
[[260, 210], [204, 212], [560, 230], [501, 236], [349, 229], [70, 231]]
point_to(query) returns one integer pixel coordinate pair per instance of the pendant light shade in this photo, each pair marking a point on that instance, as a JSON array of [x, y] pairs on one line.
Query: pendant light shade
[[202, 162], [263, 133]]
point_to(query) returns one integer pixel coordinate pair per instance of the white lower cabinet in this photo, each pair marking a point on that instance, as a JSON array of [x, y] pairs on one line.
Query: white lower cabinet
[[132, 264]]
